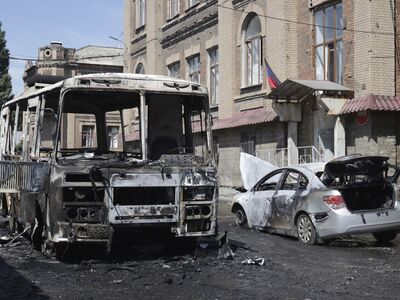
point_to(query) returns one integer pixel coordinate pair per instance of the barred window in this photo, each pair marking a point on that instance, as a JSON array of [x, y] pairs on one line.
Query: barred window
[[247, 143]]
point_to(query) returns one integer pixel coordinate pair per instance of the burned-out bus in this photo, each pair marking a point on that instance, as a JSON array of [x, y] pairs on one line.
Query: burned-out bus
[[93, 155]]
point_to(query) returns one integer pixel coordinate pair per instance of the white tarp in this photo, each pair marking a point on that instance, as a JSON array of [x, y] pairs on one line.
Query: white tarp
[[253, 169]]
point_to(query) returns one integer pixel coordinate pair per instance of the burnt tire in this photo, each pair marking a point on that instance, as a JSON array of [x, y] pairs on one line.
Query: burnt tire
[[306, 232], [61, 250], [240, 216], [385, 236]]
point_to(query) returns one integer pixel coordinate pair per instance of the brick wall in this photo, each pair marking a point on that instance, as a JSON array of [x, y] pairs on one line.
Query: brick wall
[[373, 53], [305, 63], [268, 136], [380, 136]]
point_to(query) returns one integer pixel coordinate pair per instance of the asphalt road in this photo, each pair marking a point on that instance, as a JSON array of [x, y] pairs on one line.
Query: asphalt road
[[347, 268]]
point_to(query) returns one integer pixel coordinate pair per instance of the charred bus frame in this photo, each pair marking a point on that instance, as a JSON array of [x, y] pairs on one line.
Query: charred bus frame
[[69, 185]]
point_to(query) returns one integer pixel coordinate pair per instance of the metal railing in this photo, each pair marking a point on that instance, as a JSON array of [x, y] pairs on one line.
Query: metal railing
[[16, 177], [277, 157], [309, 154], [280, 157]]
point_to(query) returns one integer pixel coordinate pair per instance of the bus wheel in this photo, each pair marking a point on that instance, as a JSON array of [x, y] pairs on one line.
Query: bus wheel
[[61, 250], [37, 234], [37, 229], [4, 205]]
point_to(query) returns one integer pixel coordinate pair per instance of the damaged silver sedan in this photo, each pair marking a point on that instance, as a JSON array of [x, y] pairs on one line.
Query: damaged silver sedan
[[354, 195]]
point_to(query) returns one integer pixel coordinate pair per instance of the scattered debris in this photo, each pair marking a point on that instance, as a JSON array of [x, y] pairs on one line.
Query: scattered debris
[[16, 237], [236, 244], [116, 281], [4, 239], [115, 268], [175, 258], [203, 245], [254, 261], [225, 252]]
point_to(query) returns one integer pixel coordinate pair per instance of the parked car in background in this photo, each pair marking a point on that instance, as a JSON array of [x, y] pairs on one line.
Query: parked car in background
[[355, 194]]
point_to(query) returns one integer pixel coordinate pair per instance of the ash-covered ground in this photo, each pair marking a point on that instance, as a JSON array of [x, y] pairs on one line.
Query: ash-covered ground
[[347, 268]]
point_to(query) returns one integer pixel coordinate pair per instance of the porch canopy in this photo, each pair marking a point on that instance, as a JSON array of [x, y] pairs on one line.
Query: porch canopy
[[371, 102], [297, 90]]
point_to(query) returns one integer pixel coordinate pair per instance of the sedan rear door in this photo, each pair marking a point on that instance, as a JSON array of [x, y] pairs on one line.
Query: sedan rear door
[[284, 201]]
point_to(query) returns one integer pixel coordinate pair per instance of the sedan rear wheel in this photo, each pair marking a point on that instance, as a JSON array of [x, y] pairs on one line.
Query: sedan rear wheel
[[385, 236], [305, 230], [240, 217]]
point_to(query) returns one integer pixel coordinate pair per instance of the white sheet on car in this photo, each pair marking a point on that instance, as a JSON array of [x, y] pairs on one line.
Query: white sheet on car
[[253, 169]]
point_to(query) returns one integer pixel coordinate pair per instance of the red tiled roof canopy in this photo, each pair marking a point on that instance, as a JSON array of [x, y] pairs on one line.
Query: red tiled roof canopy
[[246, 117], [371, 102]]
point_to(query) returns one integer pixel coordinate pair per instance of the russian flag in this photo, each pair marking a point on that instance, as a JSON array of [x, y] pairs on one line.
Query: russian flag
[[273, 81]]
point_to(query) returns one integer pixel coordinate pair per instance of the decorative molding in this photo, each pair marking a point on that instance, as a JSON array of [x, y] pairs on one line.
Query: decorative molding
[[138, 38], [241, 3], [189, 13], [245, 97], [185, 32], [139, 52]]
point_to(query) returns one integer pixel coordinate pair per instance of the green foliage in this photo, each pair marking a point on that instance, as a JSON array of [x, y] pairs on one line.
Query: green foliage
[[5, 78]]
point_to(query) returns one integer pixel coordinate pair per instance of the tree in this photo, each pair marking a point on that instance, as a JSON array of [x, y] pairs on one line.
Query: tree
[[5, 78]]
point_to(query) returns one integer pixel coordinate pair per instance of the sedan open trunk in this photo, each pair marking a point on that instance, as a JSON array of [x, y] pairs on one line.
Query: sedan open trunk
[[362, 181]]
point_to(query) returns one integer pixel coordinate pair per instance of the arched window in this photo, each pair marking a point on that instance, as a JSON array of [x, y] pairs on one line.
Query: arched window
[[252, 51], [140, 69]]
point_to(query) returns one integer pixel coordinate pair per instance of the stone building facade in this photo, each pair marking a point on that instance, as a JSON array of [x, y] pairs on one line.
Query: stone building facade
[[227, 46], [56, 62]]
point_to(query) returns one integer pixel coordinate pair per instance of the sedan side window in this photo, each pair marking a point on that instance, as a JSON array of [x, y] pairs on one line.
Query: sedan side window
[[270, 182], [294, 181]]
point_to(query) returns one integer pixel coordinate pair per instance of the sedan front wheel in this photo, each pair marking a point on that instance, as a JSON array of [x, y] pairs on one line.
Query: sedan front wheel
[[240, 217], [305, 230]]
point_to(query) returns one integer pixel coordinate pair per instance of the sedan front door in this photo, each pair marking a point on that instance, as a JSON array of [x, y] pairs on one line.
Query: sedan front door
[[259, 212]]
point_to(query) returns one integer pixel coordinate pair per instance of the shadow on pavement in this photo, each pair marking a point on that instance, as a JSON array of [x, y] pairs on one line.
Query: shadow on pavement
[[14, 286]]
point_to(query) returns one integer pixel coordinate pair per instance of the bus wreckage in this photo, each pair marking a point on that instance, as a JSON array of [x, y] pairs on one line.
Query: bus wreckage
[[95, 154]]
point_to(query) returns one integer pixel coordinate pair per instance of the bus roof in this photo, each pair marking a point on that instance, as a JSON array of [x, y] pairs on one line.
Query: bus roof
[[128, 81]]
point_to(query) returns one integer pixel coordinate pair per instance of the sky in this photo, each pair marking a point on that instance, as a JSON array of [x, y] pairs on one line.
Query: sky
[[76, 23]]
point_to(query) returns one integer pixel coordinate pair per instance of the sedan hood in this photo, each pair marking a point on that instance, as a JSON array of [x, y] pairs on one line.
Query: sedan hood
[[253, 169], [356, 165]]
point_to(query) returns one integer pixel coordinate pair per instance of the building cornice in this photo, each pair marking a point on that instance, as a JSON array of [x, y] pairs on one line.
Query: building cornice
[[241, 3], [138, 38], [138, 52], [197, 25], [189, 13], [190, 30]]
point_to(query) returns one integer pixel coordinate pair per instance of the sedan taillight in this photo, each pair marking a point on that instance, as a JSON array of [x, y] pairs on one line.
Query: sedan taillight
[[334, 201]]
